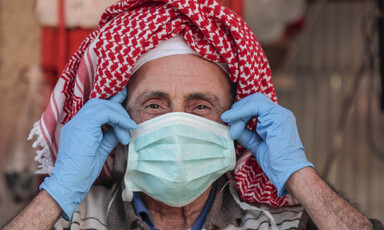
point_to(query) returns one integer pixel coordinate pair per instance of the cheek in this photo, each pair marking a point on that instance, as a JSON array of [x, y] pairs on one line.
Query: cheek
[[226, 107], [218, 120], [139, 116], [135, 116]]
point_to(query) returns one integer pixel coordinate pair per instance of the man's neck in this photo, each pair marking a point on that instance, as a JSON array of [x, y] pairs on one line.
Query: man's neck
[[167, 217]]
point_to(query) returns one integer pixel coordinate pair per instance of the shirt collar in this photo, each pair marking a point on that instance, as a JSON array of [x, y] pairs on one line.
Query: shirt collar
[[141, 210]]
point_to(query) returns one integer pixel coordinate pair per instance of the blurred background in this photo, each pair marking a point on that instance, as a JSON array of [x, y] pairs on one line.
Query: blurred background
[[326, 63]]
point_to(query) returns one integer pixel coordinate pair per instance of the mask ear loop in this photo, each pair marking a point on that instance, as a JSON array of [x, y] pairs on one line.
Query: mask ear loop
[[127, 195], [246, 206], [225, 185]]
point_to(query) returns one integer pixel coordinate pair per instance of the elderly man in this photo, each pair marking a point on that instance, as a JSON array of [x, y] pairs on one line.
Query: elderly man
[[172, 71]]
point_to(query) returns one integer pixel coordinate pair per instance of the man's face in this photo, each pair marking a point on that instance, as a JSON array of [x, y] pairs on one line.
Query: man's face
[[178, 83]]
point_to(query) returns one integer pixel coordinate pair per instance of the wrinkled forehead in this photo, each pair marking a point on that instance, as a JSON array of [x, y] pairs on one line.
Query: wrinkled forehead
[[190, 72]]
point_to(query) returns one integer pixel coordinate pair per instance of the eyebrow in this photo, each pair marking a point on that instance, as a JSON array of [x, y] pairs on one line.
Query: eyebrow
[[148, 95], [151, 94]]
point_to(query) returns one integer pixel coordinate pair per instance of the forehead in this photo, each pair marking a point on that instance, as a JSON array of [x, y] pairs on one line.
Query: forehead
[[178, 74]]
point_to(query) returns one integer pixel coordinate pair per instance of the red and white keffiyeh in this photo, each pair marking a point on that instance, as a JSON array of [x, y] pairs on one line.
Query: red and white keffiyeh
[[102, 65]]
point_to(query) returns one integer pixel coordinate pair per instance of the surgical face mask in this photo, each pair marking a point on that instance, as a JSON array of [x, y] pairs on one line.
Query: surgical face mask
[[175, 157]]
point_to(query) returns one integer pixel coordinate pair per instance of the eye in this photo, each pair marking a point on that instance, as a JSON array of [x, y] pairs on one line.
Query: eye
[[202, 107], [153, 106]]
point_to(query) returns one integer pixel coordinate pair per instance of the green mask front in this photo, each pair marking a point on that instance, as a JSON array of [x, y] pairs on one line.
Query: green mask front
[[175, 157]]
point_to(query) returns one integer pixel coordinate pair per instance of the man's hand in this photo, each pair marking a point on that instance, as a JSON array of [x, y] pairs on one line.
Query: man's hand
[[279, 151], [277, 147], [84, 148]]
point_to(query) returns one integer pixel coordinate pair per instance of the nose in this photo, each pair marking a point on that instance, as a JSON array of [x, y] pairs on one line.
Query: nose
[[178, 106]]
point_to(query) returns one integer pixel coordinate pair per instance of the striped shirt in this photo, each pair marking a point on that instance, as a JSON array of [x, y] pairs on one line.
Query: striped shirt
[[103, 208]]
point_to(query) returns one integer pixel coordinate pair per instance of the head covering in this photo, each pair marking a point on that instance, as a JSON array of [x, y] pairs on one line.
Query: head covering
[[172, 46], [102, 65]]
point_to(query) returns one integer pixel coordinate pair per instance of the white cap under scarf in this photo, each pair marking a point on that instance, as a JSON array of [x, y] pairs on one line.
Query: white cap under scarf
[[172, 46]]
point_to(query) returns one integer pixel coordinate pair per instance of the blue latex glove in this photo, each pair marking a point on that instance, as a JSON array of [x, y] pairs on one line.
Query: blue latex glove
[[277, 148], [84, 148]]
